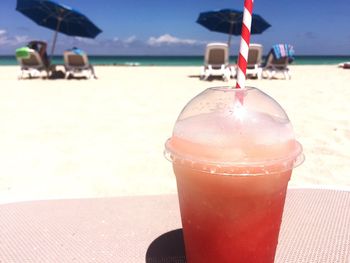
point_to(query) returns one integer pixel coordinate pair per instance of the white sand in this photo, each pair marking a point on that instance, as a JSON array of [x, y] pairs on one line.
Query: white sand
[[95, 138]]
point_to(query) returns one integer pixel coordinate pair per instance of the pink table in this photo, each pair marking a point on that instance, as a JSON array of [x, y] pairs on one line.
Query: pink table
[[315, 228]]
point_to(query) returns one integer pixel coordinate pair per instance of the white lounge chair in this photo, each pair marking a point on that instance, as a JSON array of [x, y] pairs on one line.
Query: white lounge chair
[[32, 65], [77, 64], [277, 61], [216, 62], [275, 66], [254, 61]]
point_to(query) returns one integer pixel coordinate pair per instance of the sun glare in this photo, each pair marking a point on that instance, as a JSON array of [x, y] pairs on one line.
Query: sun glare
[[238, 111]]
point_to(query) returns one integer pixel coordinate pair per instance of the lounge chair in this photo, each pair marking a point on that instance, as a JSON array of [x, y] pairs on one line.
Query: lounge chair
[[216, 62], [345, 65], [77, 63], [254, 61], [274, 66], [31, 63], [277, 61]]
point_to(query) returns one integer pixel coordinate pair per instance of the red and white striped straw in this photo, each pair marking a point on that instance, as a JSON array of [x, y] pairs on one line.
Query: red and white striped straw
[[244, 48]]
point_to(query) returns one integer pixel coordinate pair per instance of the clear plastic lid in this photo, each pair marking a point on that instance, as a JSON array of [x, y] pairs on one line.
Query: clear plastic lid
[[224, 127]]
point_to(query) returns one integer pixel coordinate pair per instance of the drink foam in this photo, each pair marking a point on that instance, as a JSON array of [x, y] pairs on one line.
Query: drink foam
[[217, 130], [228, 136], [221, 129]]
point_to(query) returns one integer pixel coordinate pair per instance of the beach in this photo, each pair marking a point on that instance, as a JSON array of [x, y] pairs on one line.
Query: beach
[[101, 138]]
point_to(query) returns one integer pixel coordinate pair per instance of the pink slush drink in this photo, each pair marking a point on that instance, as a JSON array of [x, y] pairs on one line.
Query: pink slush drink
[[232, 163]]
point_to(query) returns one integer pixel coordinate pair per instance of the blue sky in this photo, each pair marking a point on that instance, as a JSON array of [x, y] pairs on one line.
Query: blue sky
[[161, 27]]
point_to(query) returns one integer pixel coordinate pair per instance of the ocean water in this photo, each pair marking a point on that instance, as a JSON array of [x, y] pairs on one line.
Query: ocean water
[[178, 60]]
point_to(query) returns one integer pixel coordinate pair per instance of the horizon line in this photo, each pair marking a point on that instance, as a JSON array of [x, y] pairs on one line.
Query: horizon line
[[187, 55]]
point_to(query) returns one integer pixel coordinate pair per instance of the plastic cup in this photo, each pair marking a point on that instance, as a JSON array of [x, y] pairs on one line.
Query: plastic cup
[[232, 163]]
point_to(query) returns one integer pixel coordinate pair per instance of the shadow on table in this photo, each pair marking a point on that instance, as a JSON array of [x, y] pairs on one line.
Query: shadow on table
[[167, 248]]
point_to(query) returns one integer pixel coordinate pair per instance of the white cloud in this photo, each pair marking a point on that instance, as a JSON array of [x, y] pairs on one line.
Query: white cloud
[[87, 40], [6, 39], [168, 39], [125, 41], [3, 37], [130, 40], [21, 39]]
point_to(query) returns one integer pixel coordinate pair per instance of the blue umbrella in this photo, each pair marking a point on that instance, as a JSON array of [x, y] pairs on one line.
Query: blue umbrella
[[58, 17], [229, 21]]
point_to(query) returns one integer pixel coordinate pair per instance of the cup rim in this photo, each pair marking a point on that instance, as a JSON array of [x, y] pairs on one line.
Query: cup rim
[[292, 161], [230, 88]]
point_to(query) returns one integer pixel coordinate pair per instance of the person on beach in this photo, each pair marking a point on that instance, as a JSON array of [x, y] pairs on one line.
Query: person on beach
[[40, 47]]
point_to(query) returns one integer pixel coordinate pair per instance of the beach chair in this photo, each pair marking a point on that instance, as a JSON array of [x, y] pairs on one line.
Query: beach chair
[[254, 67], [277, 61], [77, 63], [216, 62], [345, 65], [31, 63]]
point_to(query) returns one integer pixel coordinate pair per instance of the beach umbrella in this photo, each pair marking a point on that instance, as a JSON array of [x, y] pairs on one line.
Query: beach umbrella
[[58, 17], [229, 21]]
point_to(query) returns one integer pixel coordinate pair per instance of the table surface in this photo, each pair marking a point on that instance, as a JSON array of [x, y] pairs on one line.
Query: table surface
[[315, 228]]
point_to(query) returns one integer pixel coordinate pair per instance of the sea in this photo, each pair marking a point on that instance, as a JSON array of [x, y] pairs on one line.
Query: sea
[[177, 60]]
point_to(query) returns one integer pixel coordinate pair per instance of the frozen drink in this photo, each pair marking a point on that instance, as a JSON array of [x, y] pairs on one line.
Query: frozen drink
[[232, 163]]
